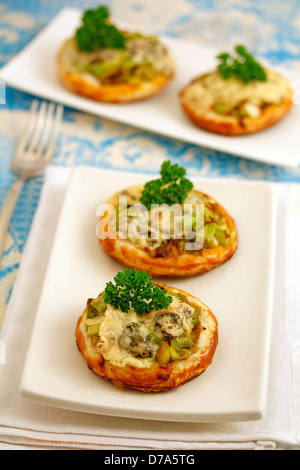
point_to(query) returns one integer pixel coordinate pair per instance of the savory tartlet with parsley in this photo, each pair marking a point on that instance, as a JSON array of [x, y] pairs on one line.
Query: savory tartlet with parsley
[[239, 97], [107, 64], [146, 336], [208, 237]]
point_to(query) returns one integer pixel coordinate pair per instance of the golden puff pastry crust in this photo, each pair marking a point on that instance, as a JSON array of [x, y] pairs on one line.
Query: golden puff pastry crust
[[88, 85], [148, 374], [230, 107], [168, 260]]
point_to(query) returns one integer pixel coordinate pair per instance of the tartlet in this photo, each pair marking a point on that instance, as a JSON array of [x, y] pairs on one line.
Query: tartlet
[[137, 69], [167, 256], [231, 106], [151, 352]]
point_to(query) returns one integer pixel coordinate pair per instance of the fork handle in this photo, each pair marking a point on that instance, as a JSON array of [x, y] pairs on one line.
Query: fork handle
[[7, 211]]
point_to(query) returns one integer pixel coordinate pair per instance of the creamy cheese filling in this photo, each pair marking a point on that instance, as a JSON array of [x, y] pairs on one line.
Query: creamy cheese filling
[[144, 50], [142, 57], [154, 232], [213, 92], [133, 339]]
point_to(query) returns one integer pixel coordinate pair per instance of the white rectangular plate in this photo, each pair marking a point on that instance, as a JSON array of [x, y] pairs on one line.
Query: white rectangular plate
[[34, 71], [239, 292]]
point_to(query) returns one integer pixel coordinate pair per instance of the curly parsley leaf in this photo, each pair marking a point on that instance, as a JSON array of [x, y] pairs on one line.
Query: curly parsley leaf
[[133, 289], [97, 32], [171, 188], [243, 66]]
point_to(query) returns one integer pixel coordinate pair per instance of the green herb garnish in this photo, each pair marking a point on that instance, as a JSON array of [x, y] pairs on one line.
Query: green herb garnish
[[243, 66], [133, 289], [97, 32], [170, 189]]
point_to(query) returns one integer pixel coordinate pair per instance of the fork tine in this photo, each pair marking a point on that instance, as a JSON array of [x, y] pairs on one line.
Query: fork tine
[[39, 119], [35, 153], [28, 130], [55, 130], [48, 122]]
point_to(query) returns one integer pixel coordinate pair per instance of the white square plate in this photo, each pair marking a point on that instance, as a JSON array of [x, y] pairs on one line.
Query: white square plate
[[33, 70], [239, 292]]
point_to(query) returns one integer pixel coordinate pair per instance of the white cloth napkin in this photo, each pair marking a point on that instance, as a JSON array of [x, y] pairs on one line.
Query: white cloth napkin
[[26, 424]]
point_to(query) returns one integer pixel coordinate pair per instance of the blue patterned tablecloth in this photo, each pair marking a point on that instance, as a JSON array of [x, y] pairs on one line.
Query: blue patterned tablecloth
[[112, 145]]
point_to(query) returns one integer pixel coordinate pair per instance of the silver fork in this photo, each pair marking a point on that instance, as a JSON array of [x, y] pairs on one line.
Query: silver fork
[[33, 153]]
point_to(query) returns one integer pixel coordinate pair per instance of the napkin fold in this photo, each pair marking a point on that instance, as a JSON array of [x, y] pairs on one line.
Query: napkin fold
[[26, 424]]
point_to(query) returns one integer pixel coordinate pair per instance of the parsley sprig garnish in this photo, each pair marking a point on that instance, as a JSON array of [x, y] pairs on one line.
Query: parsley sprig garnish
[[97, 32], [133, 289], [171, 188], [243, 66]]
